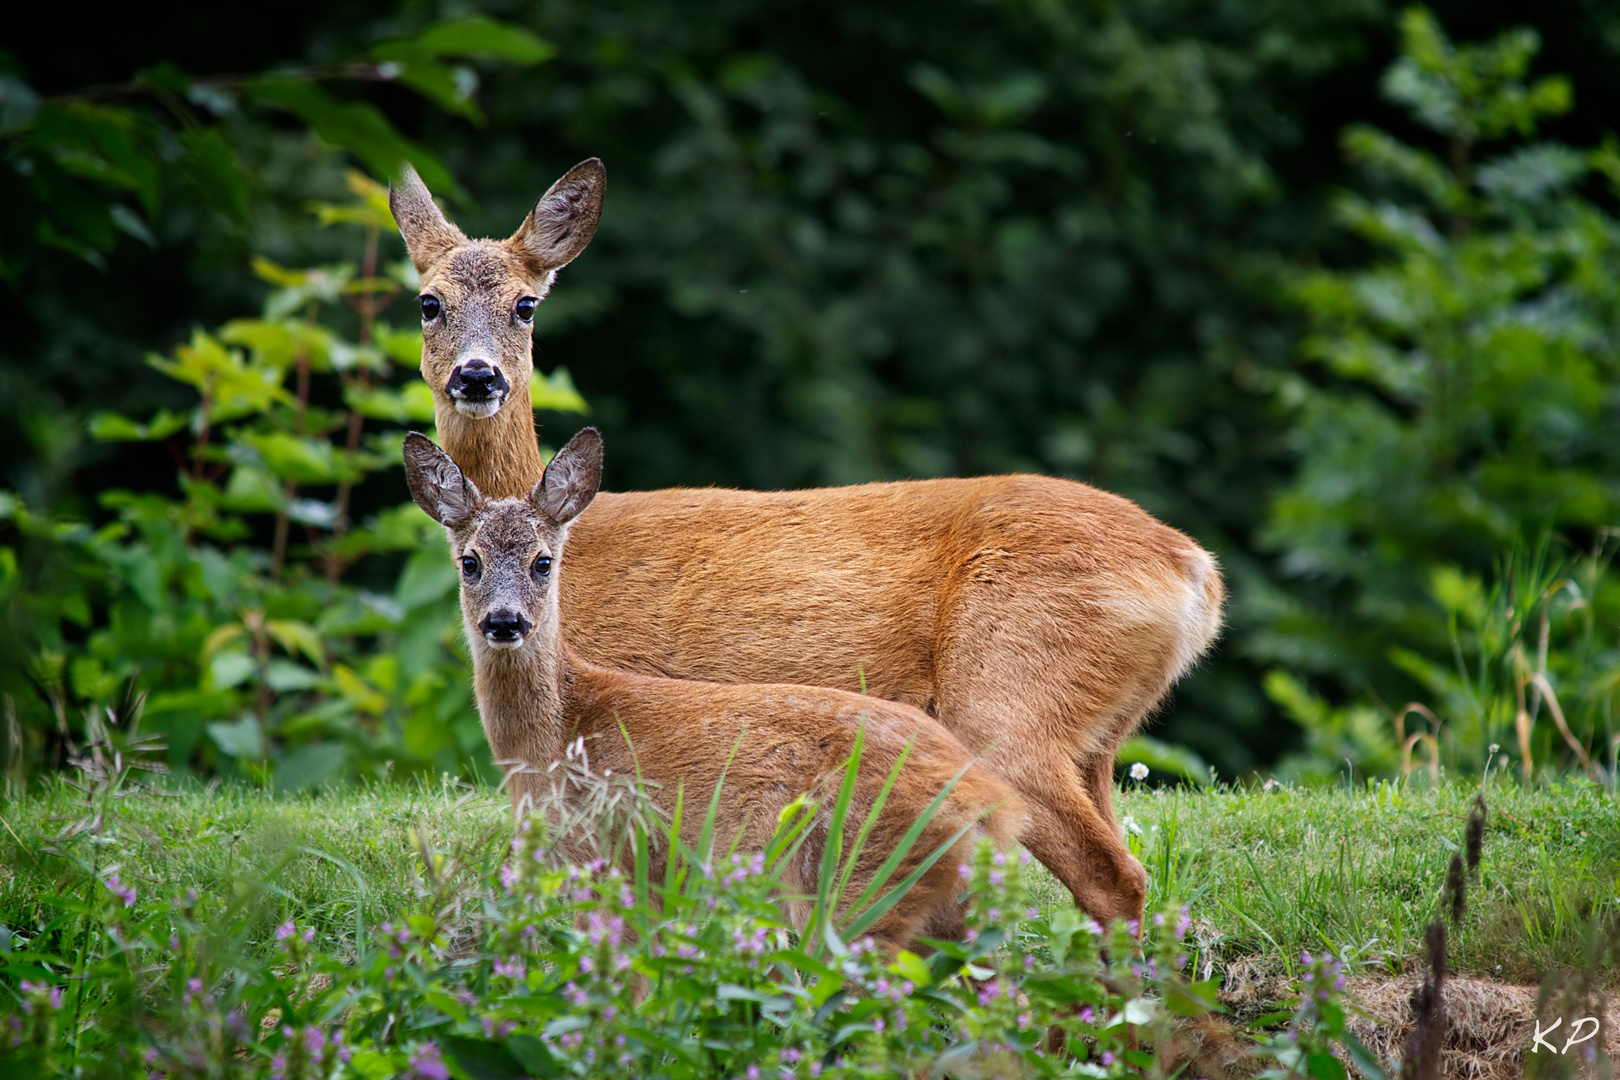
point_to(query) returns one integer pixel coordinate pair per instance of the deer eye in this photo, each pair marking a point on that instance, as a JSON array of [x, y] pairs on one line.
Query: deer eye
[[430, 308], [542, 565], [525, 308], [470, 565]]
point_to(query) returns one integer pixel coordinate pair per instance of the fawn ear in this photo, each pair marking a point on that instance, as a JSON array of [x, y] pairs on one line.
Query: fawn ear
[[428, 233], [572, 478], [437, 484], [564, 220]]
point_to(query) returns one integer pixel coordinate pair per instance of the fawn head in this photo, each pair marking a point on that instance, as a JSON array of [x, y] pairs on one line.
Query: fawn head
[[507, 550], [478, 296]]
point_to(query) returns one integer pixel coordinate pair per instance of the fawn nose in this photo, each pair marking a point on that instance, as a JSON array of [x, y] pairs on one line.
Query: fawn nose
[[476, 380], [504, 627]]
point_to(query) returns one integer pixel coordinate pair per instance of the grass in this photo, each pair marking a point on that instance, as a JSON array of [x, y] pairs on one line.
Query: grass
[[1267, 874]]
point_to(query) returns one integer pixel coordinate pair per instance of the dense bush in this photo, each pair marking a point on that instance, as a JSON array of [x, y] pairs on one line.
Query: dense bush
[[266, 663], [1460, 400], [1006, 236]]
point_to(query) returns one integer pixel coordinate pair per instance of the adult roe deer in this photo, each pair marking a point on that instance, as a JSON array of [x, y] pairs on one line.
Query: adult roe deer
[[535, 696], [1040, 620]]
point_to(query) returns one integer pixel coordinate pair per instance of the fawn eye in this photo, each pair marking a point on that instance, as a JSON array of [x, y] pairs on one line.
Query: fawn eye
[[430, 308], [542, 565], [469, 565], [525, 308]]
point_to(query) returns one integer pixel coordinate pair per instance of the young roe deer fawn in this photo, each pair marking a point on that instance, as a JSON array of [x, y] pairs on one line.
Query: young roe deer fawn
[[536, 696], [1040, 620]]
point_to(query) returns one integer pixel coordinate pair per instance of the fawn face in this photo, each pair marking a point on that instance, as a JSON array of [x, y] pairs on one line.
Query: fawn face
[[479, 296], [506, 550]]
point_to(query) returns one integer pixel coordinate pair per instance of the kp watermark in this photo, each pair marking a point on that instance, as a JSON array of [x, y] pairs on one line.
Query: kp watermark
[[1575, 1036]]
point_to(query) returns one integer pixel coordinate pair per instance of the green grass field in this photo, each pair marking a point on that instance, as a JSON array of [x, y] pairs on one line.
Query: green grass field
[[1267, 874]]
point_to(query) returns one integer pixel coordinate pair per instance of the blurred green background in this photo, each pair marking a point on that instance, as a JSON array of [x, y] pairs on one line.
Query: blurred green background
[[1331, 285]]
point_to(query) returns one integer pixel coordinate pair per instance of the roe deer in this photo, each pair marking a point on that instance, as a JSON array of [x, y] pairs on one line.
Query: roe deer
[[1040, 620], [536, 696]]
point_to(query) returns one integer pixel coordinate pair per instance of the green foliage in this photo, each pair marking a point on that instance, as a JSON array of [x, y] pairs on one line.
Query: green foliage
[[1459, 395], [99, 163], [514, 961], [843, 245], [261, 659]]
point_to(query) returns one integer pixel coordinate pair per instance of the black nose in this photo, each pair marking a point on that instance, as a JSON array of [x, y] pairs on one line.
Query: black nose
[[476, 380], [504, 626]]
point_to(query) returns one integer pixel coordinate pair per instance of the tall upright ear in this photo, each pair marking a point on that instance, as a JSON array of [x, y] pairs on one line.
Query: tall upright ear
[[428, 233], [437, 483], [565, 218], [572, 479]]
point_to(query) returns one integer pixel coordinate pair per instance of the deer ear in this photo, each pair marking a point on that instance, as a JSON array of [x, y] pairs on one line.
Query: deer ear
[[437, 483], [564, 220], [428, 233], [572, 479]]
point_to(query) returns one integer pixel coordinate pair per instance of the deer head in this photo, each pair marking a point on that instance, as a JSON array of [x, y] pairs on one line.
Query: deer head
[[479, 296], [507, 549]]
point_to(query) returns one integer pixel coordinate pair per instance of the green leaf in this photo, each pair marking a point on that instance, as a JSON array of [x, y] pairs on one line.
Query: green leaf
[[556, 392], [1324, 1066], [239, 738], [1365, 1060], [370, 205], [428, 576], [113, 427], [357, 127], [479, 37], [19, 104], [534, 1055], [297, 637], [228, 669], [414, 401], [911, 966], [451, 88], [310, 766], [283, 676], [401, 346], [301, 460], [371, 1065], [211, 166]]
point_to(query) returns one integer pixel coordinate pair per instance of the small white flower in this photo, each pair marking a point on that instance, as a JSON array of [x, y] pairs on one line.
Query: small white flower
[[1495, 747], [1139, 771]]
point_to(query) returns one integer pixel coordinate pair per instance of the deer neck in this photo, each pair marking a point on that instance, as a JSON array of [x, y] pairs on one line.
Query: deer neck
[[499, 453], [521, 698]]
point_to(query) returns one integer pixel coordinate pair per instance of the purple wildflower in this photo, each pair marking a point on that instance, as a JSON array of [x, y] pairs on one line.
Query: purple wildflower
[[426, 1064], [123, 892]]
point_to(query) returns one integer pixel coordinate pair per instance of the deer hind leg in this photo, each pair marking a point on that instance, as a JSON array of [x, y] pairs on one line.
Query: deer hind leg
[[1045, 666], [1049, 729], [1079, 842]]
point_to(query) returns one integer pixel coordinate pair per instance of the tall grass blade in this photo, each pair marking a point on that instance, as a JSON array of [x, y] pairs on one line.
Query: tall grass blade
[[832, 854]]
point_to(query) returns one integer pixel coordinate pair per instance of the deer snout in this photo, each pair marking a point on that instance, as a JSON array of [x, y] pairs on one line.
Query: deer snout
[[479, 385], [504, 629]]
